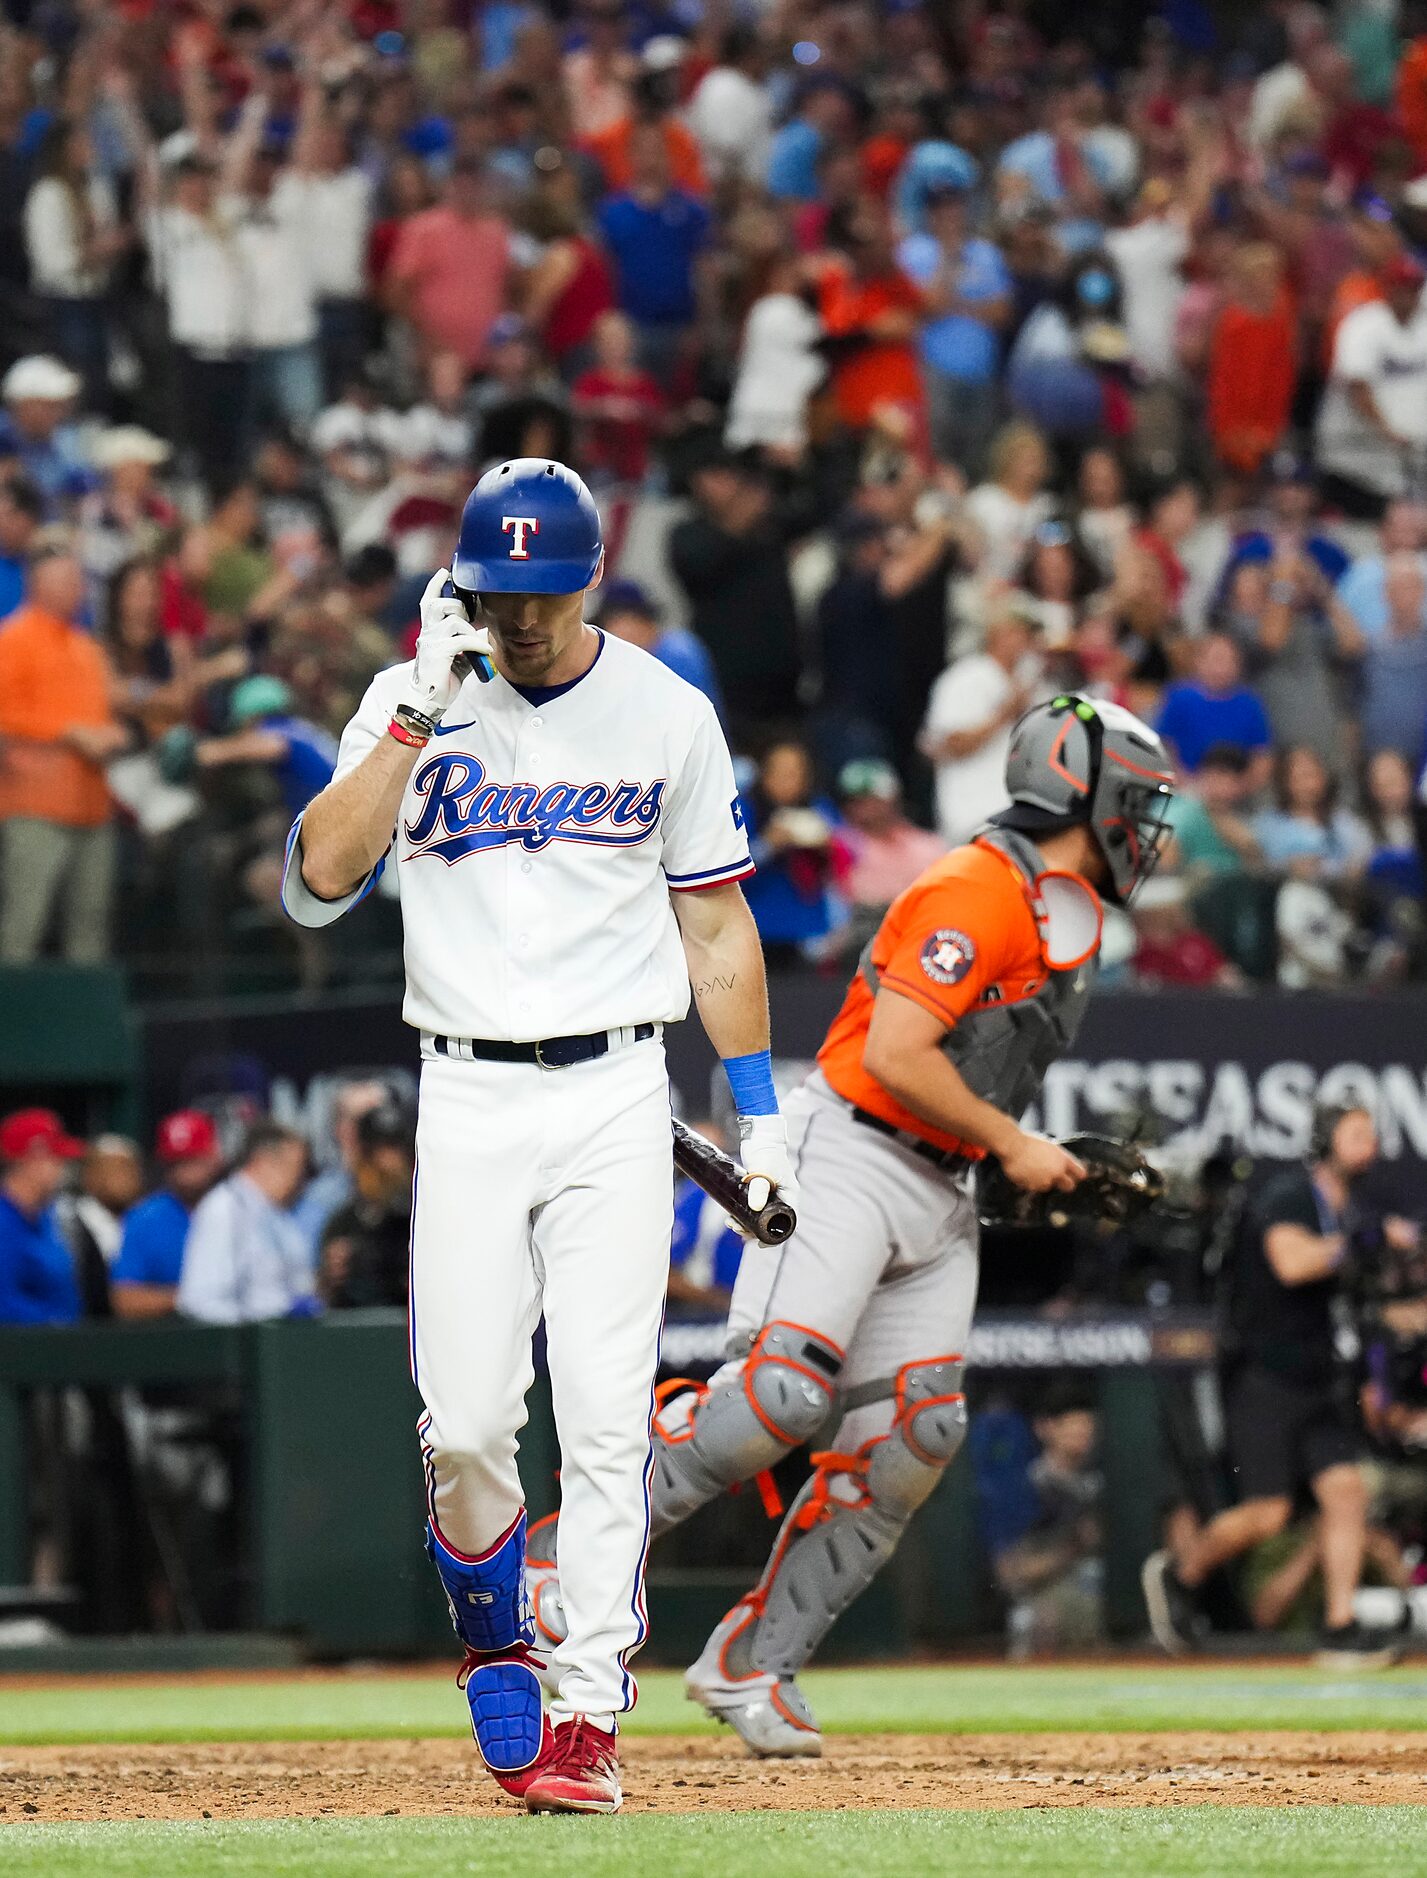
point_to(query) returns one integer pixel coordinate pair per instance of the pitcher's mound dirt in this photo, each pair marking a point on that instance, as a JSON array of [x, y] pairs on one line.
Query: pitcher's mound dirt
[[681, 1775]]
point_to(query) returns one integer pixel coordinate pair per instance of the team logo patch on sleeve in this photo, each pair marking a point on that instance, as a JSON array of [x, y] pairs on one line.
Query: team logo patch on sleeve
[[948, 956]]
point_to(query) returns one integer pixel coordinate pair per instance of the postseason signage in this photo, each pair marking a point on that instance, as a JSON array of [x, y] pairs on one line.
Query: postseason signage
[[1209, 1067]]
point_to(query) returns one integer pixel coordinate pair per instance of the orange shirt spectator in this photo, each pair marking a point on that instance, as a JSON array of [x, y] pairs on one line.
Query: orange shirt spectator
[[1253, 363], [876, 316], [54, 680], [610, 149], [450, 271]]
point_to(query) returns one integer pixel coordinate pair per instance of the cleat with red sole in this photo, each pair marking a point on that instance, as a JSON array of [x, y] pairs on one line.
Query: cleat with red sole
[[518, 1784], [579, 1775], [503, 1690]]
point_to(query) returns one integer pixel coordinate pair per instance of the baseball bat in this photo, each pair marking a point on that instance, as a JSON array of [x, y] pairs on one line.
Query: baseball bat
[[725, 1182]]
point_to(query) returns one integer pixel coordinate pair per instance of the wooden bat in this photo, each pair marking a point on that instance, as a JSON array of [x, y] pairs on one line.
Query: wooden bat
[[725, 1182]]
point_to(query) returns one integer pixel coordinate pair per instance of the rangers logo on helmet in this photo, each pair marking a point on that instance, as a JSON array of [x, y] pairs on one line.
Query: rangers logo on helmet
[[948, 956], [520, 526]]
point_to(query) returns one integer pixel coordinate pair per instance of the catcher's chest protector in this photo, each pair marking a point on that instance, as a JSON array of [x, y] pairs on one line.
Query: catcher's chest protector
[[1004, 1046]]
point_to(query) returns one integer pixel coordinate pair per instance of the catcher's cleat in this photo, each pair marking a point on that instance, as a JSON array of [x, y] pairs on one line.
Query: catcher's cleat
[[503, 1691], [1175, 1618], [579, 1775], [768, 1713]]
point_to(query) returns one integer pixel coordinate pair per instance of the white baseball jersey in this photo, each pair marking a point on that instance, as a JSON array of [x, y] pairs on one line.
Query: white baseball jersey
[[538, 839]]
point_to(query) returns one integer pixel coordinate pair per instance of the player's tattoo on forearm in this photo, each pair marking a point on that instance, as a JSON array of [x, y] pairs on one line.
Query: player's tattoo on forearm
[[707, 986]]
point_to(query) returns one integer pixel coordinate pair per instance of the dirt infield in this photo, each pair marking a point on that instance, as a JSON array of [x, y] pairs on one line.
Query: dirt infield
[[682, 1775]]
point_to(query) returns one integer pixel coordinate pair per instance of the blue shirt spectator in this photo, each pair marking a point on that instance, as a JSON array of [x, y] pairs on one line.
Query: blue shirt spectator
[[654, 240], [793, 162], [38, 393], [151, 1250], [246, 1260], [629, 613], [37, 1276], [1214, 706], [958, 344], [790, 838]]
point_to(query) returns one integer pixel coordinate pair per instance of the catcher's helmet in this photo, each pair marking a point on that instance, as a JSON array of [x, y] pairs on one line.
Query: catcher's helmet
[[1077, 759], [529, 526]]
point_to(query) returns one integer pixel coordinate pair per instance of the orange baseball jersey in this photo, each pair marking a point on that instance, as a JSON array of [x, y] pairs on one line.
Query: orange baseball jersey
[[963, 935]]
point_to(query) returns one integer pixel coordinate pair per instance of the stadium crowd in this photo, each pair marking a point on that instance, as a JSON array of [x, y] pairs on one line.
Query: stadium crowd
[[925, 359]]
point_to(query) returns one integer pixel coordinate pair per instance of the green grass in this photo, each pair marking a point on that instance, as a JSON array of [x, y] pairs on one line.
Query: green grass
[[1182, 1842], [855, 1701]]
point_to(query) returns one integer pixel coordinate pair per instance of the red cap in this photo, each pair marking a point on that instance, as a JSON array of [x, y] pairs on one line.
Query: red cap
[[1403, 270], [184, 1135], [31, 1130]]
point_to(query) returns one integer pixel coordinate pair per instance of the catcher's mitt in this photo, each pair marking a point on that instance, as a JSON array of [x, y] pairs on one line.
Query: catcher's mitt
[[1119, 1185]]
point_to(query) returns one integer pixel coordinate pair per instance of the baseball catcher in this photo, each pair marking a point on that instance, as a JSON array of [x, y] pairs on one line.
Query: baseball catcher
[[851, 1335]]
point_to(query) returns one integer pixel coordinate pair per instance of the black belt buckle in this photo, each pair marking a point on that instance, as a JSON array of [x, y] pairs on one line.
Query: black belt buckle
[[565, 1052]]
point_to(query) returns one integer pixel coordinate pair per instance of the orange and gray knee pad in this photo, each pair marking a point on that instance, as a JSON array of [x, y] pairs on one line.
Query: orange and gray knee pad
[[847, 1521], [780, 1398]]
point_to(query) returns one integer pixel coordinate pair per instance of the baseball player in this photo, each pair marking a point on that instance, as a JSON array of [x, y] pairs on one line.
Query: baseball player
[[568, 842], [974, 984]]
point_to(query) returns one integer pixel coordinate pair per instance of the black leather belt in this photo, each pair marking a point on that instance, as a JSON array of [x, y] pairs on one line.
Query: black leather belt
[[944, 1158], [549, 1053]]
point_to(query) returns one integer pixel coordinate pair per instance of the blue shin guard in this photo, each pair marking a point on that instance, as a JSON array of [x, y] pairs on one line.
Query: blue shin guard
[[490, 1610]]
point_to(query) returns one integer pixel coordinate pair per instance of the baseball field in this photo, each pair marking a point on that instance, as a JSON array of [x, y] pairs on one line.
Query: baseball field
[[1142, 1766]]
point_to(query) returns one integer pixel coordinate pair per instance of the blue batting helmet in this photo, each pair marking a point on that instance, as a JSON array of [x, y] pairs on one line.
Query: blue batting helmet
[[529, 526]]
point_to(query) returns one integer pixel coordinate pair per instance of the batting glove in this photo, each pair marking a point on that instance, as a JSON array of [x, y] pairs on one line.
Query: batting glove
[[764, 1154], [446, 635]]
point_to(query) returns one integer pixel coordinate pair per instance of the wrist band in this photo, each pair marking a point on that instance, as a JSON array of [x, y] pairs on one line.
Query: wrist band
[[751, 1080], [403, 735], [415, 720]]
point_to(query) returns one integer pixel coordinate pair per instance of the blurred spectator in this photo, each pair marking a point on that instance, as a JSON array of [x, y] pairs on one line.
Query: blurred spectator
[[870, 312], [570, 283], [22, 510], [779, 366], [128, 514], [35, 429], [1292, 638], [276, 237], [627, 611], [1169, 949], [1104, 520], [967, 733], [1394, 666], [730, 558], [878, 852], [57, 731], [1048, 1539], [366, 1246], [111, 1178], [655, 234], [1253, 362], [334, 1186], [617, 404], [1372, 423], [73, 237], [1362, 589], [265, 729], [967, 290], [37, 1281], [821, 121], [790, 836], [1215, 707], [143, 1281], [245, 1259], [451, 269], [330, 197], [1212, 835], [731, 111], [1306, 820], [1012, 503]]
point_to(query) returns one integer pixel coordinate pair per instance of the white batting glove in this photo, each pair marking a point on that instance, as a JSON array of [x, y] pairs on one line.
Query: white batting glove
[[765, 1157], [446, 635]]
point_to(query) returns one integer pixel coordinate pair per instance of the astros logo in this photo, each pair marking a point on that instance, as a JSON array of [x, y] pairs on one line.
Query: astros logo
[[520, 528], [948, 956]]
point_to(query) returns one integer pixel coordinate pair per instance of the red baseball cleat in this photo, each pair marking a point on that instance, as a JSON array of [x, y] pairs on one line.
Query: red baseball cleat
[[579, 1775], [518, 1784]]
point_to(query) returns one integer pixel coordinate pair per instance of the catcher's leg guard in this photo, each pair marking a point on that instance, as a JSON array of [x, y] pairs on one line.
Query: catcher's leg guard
[[490, 1611], [778, 1398], [846, 1522], [707, 1439]]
